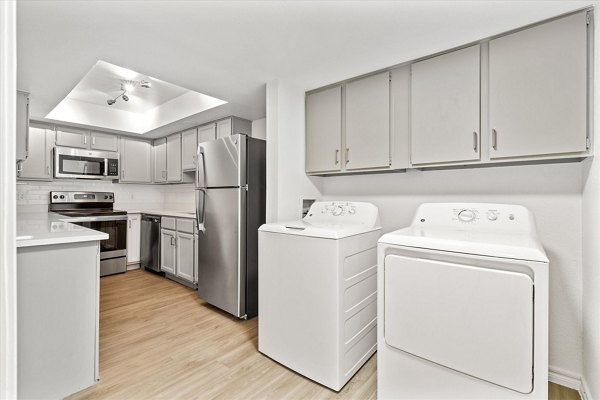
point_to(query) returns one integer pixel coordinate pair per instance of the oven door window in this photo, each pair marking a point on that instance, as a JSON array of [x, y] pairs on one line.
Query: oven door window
[[77, 165], [116, 244]]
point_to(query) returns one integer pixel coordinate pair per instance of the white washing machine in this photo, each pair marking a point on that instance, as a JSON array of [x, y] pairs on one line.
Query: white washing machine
[[463, 305], [317, 291]]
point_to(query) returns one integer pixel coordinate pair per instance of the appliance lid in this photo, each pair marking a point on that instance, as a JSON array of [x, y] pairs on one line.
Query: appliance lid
[[331, 220]]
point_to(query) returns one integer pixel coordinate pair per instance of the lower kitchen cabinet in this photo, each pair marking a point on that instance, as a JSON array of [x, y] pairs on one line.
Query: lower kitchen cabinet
[[178, 250], [133, 238], [38, 165]]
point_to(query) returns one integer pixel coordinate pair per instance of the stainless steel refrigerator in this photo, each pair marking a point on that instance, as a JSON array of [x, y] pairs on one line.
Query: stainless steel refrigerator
[[230, 207]]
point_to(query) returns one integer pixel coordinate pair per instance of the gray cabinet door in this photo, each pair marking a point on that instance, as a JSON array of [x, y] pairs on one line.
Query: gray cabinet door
[[22, 125], [324, 130], [189, 144], [136, 161], [72, 138], [39, 163], [185, 257], [445, 108], [368, 122], [133, 238], [224, 128], [160, 160], [207, 132], [538, 82], [104, 141], [174, 158], [168, 256]]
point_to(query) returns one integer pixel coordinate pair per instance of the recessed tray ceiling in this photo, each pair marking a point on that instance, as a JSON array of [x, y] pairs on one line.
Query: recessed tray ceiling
[[147, 109]]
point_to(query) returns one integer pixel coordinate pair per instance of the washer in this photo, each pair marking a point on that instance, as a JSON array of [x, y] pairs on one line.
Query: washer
[[463, 305], [317, 293]]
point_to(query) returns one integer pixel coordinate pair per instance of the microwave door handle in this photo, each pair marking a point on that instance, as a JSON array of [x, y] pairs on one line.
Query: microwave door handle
[[105, 167]]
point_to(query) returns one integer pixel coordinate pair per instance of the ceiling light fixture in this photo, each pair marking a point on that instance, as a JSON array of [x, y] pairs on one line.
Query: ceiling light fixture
[[129, 86]]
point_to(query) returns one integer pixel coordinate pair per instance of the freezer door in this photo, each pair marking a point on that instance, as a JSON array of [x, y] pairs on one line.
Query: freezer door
[[222, 250], [222, 162]]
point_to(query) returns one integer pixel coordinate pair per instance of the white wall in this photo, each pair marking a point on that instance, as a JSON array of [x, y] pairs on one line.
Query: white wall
[[591, 248], [259, 128]]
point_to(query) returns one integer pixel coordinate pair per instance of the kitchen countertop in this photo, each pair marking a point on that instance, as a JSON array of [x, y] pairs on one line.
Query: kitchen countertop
[[164, 213], [47, 228]]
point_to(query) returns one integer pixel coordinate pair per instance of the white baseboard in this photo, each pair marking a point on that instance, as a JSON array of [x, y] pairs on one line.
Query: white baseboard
[[133, 266], [564, 378], [584, 391]]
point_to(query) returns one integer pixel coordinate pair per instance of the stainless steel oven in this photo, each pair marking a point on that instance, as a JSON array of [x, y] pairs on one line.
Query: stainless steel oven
[[85, 164], [94, 210]]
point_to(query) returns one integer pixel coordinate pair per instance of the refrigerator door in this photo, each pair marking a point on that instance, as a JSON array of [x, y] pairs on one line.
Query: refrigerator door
[[222, 249], [222, 162]]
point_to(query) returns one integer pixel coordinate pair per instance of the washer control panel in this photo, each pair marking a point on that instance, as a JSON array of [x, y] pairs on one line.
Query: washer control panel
[[338, 209], [473, 216], [342, 212]]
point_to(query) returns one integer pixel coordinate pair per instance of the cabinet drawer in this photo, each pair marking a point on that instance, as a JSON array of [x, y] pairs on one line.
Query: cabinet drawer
[[168, 223], [185, 225]]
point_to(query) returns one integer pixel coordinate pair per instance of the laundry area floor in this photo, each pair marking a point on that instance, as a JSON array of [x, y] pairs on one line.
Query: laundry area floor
[[158, 340]]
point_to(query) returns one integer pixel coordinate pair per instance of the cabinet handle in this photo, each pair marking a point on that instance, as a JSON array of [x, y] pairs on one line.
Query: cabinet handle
[[337, 158], [93, 139], [129, 224], [347, 155], [172, 241], [84, 139], [19, 168], [494, 139], [164, 174], [123, 174], [474, 141], [48, 170]]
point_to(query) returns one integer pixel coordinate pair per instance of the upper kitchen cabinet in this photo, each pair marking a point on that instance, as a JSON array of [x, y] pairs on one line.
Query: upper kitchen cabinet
[[231, 126], [38, 165], [445, 110], [160, 160], [22, 125], [174, 158], [206, 133], [70, 137], [324, 130], [136, 161], [189, 144], [368, 123], [538, 90], [104, 141]]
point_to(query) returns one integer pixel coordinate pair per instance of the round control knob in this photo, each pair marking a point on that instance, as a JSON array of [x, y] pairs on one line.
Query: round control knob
[[55, 197], [105, 197], [62, 196], [110, 197], [338, 211], [492, 215], [466, 215]]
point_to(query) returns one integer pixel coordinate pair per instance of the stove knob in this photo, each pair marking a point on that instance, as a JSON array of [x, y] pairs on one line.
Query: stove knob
[[55, 197], [62, 196], [105, 197], [110, 197]]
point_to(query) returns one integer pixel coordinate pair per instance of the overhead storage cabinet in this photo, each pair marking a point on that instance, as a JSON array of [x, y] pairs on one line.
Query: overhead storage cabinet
[[136, 161], [324, 130], [189, 144], [445, 108], [538, 90], [38, 165]]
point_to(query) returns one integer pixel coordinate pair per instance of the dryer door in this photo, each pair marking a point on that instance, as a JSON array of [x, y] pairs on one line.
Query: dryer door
[[478, 321]]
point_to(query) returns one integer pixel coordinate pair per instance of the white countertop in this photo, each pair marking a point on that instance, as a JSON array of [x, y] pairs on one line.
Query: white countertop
[[163, 213], [46, 228]]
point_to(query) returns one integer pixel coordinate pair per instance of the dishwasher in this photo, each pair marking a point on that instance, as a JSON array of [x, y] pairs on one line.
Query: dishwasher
[[150, 243]]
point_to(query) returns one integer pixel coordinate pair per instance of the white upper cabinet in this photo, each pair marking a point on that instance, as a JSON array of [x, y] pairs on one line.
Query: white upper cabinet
[[206, 133], [445, 108], [38, 164], [324, 130], [189, 144], [538, 88], [368, 122], [160, 160], [68, 137], [136, 161], [104, 141], [174, 158], [224, 128]]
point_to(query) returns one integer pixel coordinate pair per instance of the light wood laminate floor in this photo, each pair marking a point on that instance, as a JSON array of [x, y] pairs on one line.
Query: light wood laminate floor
[[159, 341]]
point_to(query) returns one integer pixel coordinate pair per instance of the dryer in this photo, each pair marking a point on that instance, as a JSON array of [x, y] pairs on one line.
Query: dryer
[[317, 291], [463, 305]]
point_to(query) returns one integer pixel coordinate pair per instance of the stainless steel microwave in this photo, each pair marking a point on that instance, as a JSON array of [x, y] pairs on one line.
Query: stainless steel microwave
[[85, 164]]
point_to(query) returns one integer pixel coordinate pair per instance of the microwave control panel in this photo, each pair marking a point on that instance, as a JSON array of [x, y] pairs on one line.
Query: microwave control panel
[[113, 167]]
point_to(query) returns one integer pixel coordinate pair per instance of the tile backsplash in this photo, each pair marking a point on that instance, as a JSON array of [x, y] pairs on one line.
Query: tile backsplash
[[35, 196]]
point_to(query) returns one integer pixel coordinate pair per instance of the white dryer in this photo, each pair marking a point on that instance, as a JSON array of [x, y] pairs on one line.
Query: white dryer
[[317, 291], [463, 305]]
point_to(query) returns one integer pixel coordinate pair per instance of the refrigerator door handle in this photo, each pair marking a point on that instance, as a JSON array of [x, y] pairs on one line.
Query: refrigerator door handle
[[200, 168], [200, 209]]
